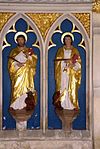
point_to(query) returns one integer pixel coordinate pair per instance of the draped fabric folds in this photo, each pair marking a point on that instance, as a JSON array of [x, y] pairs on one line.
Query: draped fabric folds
[[72, 73], [22, 78]]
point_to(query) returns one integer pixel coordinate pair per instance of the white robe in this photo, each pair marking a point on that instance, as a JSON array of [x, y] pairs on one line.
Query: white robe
[[20, 102], [65, 100]]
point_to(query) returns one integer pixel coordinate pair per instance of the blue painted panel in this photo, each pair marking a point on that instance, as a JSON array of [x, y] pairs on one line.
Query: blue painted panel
[[8, 121], [53, 120]]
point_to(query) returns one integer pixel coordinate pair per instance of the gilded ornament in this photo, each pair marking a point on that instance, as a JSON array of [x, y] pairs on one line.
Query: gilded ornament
[[44, 21], [96, 6], [84, 18], [4, 17]]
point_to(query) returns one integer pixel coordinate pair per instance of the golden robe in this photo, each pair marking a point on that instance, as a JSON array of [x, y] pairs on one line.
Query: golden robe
[[74, 76], [22, 79]]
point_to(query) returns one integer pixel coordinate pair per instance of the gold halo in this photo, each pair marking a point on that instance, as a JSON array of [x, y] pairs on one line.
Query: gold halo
[[67, 33], [20, 33]]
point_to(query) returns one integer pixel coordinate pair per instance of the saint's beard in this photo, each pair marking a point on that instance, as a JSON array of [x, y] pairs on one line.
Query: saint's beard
[[21, 45]]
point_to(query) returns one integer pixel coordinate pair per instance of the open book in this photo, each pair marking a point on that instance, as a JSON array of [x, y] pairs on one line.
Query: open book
[[21, 57]]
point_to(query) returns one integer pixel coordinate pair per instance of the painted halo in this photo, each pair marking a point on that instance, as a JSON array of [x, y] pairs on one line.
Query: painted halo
[[20, 33], [67, 33]]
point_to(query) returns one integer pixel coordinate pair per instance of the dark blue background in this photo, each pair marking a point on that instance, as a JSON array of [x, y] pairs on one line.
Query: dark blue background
[[8, 121], [53, 120]]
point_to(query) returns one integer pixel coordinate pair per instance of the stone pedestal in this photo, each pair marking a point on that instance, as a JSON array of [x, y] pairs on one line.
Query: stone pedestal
[[21, 117], [67, 117], [21, 125]]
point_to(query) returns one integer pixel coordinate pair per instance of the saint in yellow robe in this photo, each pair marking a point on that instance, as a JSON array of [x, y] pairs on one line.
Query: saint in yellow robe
[[22, 78], [73, 75]]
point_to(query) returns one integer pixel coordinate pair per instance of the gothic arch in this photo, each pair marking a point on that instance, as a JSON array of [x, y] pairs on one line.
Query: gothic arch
[[73, 19], [27, 19], [40, 39]]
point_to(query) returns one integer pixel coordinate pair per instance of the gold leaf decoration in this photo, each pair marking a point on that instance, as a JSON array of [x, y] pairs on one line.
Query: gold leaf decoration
[[96, 6], [44, 21], [84, 18], [4, 17]]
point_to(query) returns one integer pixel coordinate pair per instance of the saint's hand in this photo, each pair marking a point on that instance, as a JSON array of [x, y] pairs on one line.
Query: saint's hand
[[69, 64]]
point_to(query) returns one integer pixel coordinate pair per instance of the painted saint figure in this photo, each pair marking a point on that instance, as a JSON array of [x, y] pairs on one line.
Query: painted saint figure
[[67, 76], [22, 68]]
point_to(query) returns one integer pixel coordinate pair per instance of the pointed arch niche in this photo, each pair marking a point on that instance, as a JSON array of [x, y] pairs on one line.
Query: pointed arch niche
[[7, 122], [51, 42]]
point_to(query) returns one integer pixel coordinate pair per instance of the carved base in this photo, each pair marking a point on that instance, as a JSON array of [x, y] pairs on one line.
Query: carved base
[[67, 117], [21, 125], [21, 115]]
